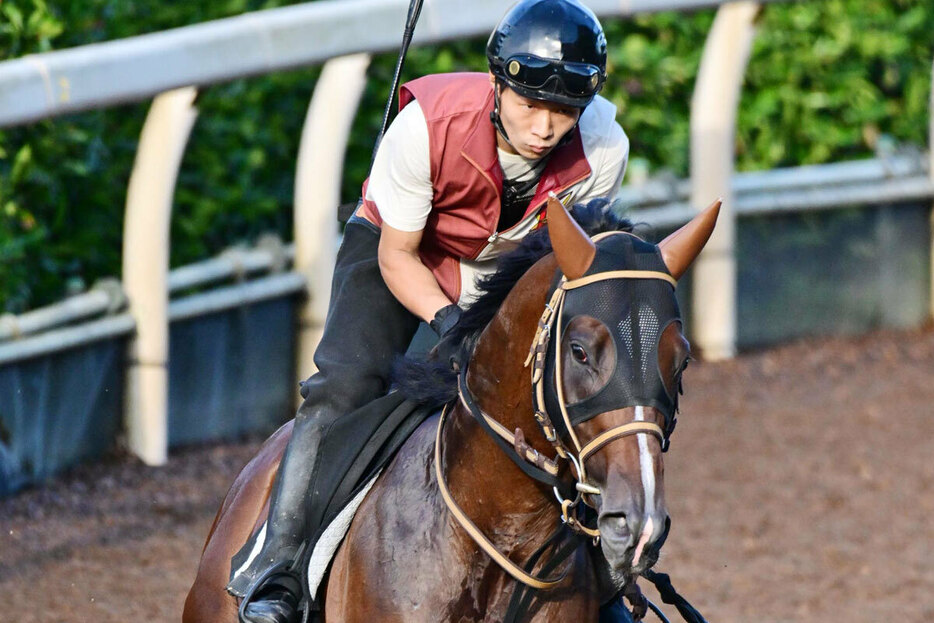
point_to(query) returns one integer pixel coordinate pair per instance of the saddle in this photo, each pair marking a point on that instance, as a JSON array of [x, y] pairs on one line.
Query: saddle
[[351, 457]]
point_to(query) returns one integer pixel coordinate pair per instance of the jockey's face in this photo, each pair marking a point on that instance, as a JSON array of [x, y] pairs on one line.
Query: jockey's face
[[534, 126]]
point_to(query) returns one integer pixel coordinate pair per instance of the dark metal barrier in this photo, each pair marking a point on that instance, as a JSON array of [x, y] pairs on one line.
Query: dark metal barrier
[[232, 372], [832, 272], [57, 410], [829, 272]]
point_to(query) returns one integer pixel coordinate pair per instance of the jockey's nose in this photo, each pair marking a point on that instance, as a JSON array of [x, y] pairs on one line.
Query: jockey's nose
[[542, 126]]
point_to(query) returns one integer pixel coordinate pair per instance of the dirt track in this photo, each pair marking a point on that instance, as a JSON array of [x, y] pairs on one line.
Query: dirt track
[[800, 482]]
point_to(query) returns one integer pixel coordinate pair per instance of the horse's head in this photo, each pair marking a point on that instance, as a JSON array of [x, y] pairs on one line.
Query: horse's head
[[612, 374]]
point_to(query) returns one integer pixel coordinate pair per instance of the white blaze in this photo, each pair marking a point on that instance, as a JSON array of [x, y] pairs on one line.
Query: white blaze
[[648, 484], [646, 464], [643, 539]]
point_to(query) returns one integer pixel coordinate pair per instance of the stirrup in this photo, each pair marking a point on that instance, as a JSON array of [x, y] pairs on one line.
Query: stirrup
[[287, 570]]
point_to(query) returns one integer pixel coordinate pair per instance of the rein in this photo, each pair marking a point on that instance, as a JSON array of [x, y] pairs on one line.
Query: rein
[[546, 470], [529, 460], [507, 565]]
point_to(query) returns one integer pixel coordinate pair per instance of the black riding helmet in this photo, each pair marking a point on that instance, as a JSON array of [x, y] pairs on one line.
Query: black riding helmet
[[552, 50]]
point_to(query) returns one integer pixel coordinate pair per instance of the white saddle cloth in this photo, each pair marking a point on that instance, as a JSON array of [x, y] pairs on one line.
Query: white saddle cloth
[[326, 546]]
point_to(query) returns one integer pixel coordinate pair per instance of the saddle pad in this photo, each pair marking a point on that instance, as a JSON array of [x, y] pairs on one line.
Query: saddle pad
[[331, 538], [327, 543]]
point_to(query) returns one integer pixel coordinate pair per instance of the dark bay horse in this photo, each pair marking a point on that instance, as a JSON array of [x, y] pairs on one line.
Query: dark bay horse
[[440, 535]]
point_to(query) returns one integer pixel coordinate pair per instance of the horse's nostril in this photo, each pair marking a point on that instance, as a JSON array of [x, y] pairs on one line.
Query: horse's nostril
[[616, 526]]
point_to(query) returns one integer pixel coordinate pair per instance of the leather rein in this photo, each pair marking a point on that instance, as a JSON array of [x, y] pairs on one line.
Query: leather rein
[[528, 459]]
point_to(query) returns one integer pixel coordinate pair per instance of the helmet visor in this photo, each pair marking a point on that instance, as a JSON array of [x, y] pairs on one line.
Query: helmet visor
[[575, 79]]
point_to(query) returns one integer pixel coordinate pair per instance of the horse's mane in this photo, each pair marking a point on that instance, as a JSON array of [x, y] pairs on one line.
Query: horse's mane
[[430, 382]]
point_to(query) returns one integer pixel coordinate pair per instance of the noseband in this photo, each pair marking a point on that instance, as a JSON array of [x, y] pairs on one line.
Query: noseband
[[529, 460]]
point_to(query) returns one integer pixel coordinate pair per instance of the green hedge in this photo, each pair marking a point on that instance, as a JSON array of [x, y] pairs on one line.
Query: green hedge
[[826, 80]]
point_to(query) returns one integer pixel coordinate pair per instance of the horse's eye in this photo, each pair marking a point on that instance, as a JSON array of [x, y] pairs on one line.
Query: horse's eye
[[580, 355]]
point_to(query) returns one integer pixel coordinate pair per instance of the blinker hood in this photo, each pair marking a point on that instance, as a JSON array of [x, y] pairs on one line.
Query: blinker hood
[[636, 313]]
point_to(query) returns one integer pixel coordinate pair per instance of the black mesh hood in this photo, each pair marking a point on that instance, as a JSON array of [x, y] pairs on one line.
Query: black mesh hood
[[636, 311]]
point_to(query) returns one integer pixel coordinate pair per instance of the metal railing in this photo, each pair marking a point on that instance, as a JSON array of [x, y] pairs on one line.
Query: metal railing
[[664, 203], [341, 34], [138, 68], [237, 277]]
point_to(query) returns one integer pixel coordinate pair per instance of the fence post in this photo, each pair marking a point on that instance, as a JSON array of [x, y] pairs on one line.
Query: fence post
[[713, 130], [146, 268], [318, 176], [931, 176]]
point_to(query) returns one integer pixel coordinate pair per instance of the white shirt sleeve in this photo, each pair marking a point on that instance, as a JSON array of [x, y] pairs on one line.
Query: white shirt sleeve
[[616, 158], [400, 180], [607, 149]]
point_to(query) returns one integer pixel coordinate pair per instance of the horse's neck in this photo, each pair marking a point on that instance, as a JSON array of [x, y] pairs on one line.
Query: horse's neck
[[500, 494], [498, 377]]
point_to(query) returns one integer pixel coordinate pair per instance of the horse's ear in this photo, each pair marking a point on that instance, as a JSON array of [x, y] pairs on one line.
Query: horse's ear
[[680, 249], [573, 248]]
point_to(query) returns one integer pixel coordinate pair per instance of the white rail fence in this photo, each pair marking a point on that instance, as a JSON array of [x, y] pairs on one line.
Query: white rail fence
[[342, 34]]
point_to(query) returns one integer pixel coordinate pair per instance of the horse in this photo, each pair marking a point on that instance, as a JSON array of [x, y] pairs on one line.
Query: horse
[[586, 348]]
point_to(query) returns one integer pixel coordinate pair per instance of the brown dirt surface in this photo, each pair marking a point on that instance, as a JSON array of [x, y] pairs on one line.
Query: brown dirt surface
[[800, 483]]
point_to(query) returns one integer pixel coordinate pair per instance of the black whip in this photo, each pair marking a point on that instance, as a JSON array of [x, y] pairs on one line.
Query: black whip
[[415, 9]]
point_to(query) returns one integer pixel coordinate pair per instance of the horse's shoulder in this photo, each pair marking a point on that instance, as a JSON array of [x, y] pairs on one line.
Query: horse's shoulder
[[419, 450]]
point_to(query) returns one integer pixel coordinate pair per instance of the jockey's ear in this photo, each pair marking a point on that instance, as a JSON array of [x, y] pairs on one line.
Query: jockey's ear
[[573, 248], [680, 249]]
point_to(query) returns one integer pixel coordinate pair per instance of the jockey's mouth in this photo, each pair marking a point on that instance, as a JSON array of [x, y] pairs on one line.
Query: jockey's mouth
[[540, 150]]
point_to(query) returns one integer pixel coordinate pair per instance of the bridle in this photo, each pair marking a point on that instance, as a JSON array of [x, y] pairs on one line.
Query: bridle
[[579, 453], [532, 462]]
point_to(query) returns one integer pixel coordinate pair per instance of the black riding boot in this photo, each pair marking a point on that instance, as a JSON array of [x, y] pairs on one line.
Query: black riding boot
[[366, 328], [275, 598]]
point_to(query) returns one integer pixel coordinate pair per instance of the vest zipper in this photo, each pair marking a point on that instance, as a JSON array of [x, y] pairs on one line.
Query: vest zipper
[[495, 235], [540, 205], [492, 238]]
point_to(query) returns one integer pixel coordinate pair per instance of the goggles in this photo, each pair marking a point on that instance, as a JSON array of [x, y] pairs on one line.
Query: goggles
[[577, 79]]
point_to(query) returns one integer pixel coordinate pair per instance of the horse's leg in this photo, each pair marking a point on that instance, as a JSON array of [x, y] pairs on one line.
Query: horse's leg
[[244, 506]]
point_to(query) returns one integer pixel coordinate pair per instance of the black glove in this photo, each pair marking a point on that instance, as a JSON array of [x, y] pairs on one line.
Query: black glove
[[445, 319], [447, 348]]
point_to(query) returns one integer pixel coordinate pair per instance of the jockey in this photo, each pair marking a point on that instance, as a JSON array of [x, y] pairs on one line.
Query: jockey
[[460, 177]]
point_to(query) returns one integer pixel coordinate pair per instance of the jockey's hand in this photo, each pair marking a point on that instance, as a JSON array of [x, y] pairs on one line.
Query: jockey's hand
[[445, 319], [447, 348]]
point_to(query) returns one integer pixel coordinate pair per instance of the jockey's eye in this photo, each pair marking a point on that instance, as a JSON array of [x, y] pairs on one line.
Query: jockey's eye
[[578, 352]]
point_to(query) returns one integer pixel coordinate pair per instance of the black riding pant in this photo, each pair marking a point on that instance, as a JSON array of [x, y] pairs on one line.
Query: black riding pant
[[365, 330]]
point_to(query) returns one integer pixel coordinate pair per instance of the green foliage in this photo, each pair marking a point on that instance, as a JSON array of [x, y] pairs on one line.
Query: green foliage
[[63, 181], [826, 79], [652, 72]]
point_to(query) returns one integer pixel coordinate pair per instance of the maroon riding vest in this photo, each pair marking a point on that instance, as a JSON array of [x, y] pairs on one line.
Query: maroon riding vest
[[466, 176]]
